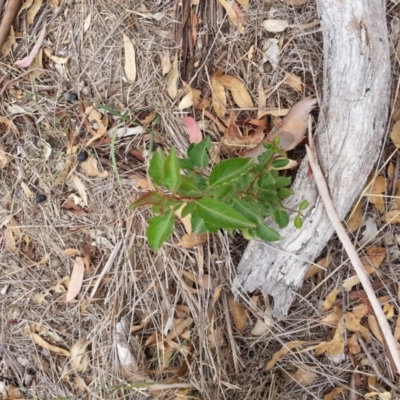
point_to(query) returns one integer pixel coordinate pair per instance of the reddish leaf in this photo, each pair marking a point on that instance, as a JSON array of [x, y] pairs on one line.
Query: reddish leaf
[[195, 135]]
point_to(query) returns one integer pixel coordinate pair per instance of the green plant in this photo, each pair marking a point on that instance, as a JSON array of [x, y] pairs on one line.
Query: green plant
[[236, 194]]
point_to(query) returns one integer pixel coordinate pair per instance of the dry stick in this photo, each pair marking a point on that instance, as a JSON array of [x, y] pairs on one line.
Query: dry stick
[[351, 252], [10, 12]]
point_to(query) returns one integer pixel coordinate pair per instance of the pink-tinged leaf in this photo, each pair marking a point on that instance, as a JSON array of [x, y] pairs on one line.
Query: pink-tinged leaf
[[27, 61], [75, 284], [195, 135]]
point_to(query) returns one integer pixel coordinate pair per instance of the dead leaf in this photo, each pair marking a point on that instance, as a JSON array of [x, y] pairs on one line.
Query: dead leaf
[[42, 343], [90, 168], [232, 14], [130, 59], [303, 376], [218, 97], [41, 298], [141, 182], [352, 345], [375, 191], [166, 64], [126, 131], [334, 349], [330, 300], [319, 266], [76, 281], [331, 395], [294, 81], [79, 355], [353, 324], [195, 135], [238, 90], [244, 4], [186, 221], [27, 61], [239, 314], [388, 310], [275, 25], [374, 327], [392, 217], [80, 187], [11, 235], [70, 252], [28, 192], [191, 240], [395, 134], [33, 11], [7, 46], [4, 160], [262, 100], [271, 50], [293, 127], [187, 101], [356, 217], [172, 79], [86, 22], [282, 352], [59, 60]]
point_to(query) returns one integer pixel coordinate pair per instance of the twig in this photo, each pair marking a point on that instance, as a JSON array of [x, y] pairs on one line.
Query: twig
[[375, 367], [352, 253]]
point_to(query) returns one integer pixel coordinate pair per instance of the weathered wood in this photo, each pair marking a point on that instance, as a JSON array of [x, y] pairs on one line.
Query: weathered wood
[[351, 124]]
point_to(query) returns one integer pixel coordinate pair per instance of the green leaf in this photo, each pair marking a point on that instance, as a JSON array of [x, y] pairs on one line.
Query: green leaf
[[266, 233], [270, 195], [229, 170], [248, 209], [160, 229], [265, 157], [156, 169], [198, 224], [280, 163], [285, 192], [282, 181], [249, 234], [188, 187], [266, 180], [220, 192], [298, 223], [220, 214], [281, 218], [172, 175], [185, 163], [303, 205], [188, 209], [198, 153], [153, 197]]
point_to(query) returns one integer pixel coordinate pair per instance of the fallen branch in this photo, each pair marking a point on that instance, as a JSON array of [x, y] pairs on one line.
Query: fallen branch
[[352, 253]]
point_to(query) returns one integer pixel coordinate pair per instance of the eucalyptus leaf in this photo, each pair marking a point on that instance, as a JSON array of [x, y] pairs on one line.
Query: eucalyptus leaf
[[156, 168], [172, 175], [198, 153], [266, 233], [229, 170]]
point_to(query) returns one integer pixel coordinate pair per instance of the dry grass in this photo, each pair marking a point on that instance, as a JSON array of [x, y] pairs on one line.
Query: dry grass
[[149, 291]]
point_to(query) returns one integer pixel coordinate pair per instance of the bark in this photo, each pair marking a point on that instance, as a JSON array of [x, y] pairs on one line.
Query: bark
[[351, 125]]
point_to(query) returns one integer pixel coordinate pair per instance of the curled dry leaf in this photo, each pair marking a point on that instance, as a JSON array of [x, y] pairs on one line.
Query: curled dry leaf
[[79, 355], [28, 192], [80, 187], [238, 90], [231, 10], [330, 300], [239, 314], [334, 349], [356, 217], [172, 79], [319, 266], [75, 284], [395, 134], [4, 160], [70, 252], [303, 376], [294, 81], [130, 59], [275, 25], [90, 168], [32, 12], [191, 240], [9, 43], [282, 352], [166, 64], [218, 97], [42, 343], [187, 101], [244, 4], [375, 192], [271, 53]]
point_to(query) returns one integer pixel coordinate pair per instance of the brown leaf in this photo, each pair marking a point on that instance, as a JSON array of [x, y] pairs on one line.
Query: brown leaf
[[79, 355], [319, 266], [353, 324], [294, 81], [166, 64], [294, 125], [70, 252], [395, 134], [232, 15], [33, 11], [4, 160], [239, 314], [90, 168], [9, 14], [172, 79], [335, 347], [356, 217], [282, 352], [218, 97], [244, 4], [80, 187], [374, 327], [330, 300], [191, 240], [238, 90], [130, 59], [331, 395], [5, 50], [375, 192], [75, 283], [303, 376], [42, 343]]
